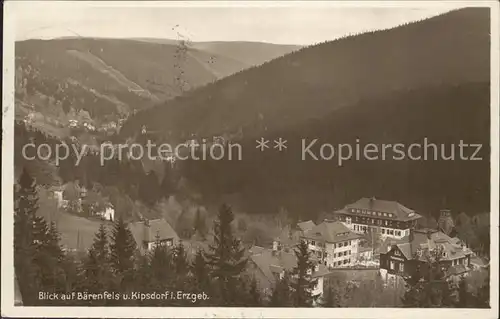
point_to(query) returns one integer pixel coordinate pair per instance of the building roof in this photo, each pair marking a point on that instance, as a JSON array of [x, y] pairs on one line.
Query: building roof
[[289, 237], [388, 209], [157, 228], [305, 226], [330, 232], [425, 240], [271, 264]]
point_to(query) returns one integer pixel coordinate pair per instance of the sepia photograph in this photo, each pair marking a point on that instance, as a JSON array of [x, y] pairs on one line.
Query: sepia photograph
[[271, 159]]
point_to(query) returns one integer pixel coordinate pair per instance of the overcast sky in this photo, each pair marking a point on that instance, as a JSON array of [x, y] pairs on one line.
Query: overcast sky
[[288, 25]]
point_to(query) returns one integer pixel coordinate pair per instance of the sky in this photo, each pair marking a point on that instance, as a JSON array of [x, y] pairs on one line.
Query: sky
[[283, 24]]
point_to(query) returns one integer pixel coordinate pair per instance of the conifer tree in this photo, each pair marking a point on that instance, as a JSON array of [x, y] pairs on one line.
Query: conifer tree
[[226, 258], [180, 265], [464, 297], [122, 253], [200, 271], [199, 224], [255, 299], [26, 204], [37, 254], [161, 266], [302, 281], [96, 266], [47, 255], [281, 296]]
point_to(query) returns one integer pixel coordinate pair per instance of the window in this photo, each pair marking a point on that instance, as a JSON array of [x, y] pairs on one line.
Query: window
[[345, 253], [348, 252], [401, 267], [398, 233], [397, 253], [383, 230], [340, 245], [386, 223], [345, 261], [313, 242], [391, 265]]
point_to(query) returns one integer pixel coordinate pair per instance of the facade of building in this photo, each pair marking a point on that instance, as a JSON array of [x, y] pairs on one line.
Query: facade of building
[[333, 243], [388, 218], [401, 257], [268, 266], [147, 233]]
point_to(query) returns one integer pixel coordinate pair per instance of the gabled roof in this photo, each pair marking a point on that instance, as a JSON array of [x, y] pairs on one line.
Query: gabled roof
[[392, 209], [157, 228], [271, 264], [305, 226], [425, 240], [289, 237], [330, 232]]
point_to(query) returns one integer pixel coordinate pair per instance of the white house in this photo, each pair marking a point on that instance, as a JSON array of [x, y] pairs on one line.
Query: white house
[[390, 218], [107, 213], [333, 243]]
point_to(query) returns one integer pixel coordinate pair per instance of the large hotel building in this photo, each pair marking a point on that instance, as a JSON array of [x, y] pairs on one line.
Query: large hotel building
[[390, 218]]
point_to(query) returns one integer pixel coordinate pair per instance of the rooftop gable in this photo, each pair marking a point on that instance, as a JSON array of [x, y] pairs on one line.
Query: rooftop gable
[[382, 208], [157, 229], [331, 232]]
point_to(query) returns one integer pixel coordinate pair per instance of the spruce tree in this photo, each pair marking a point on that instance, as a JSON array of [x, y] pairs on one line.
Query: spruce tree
[[199, 224], [96, 266], [37, 254], [464, 297], [180, 265], [122, 253], [26, 204], [48, 256], [161, 267], [200, 271], [255, 299], [302, 281], [226, 258], [281, 296]]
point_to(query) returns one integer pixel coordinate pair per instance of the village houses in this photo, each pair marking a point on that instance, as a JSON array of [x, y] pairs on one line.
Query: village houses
[[402, 257], [148, 232], [268, 266]]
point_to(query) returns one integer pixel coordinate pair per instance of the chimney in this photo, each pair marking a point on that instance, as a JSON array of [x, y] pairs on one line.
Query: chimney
[[372, 202]]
